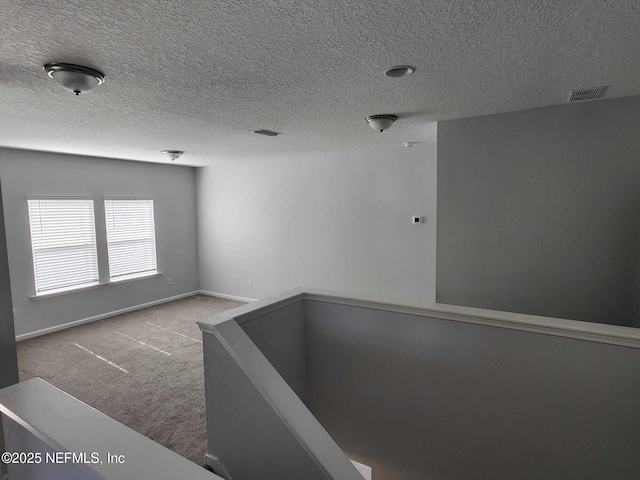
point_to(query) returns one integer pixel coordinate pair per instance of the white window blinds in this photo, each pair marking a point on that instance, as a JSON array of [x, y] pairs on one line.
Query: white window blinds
[[63, 241], [131, 238]]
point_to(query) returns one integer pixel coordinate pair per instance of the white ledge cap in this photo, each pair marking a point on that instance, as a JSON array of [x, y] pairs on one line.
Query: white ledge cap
[[589, 331]]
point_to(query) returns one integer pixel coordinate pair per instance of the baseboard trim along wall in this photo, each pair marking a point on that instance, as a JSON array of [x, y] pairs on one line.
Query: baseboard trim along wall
[[229, 297], [75, 323]]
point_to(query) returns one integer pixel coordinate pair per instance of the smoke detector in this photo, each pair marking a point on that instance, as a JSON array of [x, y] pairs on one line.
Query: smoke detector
[[584, 94], [380, 122]]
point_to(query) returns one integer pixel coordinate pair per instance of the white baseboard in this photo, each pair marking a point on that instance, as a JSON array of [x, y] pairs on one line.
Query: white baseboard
[[75, 323], [230, 297]]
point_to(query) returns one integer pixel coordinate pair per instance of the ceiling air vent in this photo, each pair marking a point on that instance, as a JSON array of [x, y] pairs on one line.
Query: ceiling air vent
[[267, 133], [582, 94]]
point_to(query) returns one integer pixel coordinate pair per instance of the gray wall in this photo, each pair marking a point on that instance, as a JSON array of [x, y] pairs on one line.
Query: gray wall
[[26, 173], [8, 359], [539, 212], [257, 427], [417, 397], [337, 221], [280, 336]]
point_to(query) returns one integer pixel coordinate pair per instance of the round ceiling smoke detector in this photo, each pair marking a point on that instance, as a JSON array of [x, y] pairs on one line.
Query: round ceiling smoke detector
[[74, 78], [380, 122], [172, 154], [399, 71]]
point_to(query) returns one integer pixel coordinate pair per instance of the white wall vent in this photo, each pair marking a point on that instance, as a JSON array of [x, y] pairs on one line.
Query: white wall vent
[[582, 94]]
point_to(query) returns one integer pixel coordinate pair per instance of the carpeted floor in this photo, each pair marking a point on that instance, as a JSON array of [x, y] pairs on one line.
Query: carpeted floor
[[143, 368]]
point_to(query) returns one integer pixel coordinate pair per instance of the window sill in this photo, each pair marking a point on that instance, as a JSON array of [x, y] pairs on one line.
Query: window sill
[[133, 279], [59, 293]]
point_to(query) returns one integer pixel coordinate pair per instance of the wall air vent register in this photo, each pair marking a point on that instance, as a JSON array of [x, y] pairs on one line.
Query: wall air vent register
[[583, 94]]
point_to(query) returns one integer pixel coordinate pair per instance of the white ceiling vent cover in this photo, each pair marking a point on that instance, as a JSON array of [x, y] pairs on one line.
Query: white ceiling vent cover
[[266, 133], [582, 94]]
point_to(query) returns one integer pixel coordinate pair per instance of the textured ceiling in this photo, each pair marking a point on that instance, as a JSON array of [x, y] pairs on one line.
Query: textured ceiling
[[198, 75]]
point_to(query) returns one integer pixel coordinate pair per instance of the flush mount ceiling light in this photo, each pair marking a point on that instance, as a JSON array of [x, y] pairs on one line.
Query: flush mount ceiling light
[[380, 122], [172, 154], [399, 71], [74, 78]]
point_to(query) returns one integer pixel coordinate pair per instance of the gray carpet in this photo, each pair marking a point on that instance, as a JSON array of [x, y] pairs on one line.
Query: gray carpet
[[154, 382]]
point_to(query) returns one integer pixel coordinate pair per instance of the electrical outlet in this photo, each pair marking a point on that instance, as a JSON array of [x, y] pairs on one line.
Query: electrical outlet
[[15, 313], [251, 282], [169, 281]]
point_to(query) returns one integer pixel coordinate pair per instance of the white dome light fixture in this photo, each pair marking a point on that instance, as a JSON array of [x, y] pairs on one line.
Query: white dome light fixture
[[74, 78], [380, 122], [172, 154]]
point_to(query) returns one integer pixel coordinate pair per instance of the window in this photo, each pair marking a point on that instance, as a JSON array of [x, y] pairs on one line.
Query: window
[[131, 238], [63, 242]]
